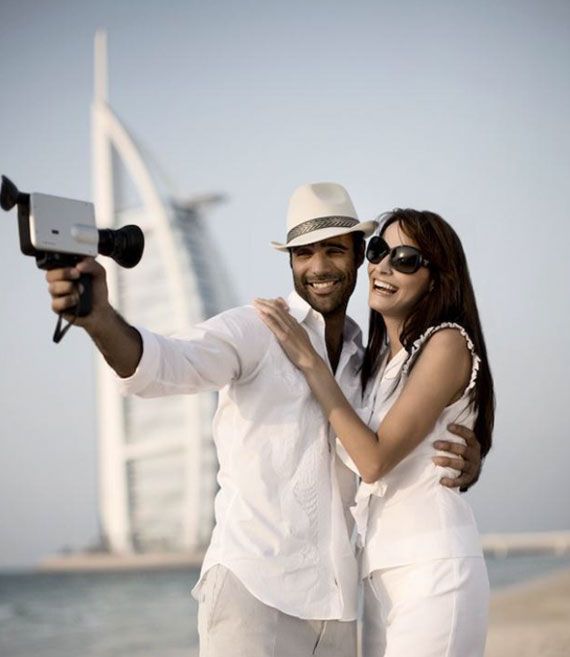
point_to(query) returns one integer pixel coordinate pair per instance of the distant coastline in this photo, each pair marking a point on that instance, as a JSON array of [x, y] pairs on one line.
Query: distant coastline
[[494, 546], [94, 562], [526, 543]]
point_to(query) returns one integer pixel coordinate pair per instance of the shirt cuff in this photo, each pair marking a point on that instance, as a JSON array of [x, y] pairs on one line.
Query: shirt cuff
[[147, 369]]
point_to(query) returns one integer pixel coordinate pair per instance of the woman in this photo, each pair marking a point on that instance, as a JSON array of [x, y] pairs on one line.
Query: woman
[[426, 586]]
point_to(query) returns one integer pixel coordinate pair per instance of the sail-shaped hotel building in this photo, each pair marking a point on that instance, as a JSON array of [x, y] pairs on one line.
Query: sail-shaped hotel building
[[157, 465]]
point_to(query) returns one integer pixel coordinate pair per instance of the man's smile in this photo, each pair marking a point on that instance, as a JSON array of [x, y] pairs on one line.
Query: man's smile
[[323, 287]]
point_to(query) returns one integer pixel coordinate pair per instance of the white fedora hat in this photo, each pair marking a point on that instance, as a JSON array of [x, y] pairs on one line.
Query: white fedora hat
[[320, 211]]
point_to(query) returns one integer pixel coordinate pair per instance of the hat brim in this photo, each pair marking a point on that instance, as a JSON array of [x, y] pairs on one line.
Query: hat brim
[[366, 227]]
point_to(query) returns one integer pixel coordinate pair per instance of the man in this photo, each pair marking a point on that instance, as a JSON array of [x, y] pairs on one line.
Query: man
[[280, 575]]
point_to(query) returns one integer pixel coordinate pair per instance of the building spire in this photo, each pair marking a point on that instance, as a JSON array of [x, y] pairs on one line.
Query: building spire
[[101, 86]]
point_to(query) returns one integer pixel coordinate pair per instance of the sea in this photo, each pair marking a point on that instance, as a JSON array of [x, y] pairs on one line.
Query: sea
[[140, 614]]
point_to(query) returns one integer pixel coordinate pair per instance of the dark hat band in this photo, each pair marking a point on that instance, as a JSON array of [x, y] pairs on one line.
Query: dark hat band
[[317, 224]]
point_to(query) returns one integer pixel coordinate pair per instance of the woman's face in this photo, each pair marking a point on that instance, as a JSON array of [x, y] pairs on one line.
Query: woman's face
[[391, 293]]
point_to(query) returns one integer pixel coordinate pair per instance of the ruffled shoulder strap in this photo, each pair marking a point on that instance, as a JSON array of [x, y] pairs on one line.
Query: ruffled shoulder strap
[[418, 345]]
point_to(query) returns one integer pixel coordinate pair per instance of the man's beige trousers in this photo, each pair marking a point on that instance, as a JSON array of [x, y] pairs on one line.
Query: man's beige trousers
[[233, 623]]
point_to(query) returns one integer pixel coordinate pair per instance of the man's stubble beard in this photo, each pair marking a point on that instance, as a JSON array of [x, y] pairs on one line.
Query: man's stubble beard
[[328, 306]]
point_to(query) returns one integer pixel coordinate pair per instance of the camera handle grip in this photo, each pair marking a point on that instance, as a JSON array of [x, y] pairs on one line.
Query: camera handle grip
[[83, 307], [85, 285]]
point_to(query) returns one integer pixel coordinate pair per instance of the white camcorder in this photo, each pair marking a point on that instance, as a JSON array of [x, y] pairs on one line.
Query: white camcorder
[[60, 232]]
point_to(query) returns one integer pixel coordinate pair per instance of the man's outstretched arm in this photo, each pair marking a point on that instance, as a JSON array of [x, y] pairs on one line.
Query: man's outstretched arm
[[465, 458], [119, 343]]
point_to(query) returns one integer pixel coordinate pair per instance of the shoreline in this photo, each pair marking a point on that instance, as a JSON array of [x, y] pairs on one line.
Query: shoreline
[[532, 618], [527, 619], [94, 562]]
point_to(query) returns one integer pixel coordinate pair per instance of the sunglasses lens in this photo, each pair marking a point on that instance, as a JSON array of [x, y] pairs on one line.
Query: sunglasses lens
[[406, 259], [376, 250]]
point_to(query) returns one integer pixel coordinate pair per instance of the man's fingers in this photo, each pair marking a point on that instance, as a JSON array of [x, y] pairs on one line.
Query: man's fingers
[[60, 304], [465, 458], [463, 432], [89, 266], [86, 266], [451, 483], [61, 288], [64, 274], [467, 477], [452, 448], [463, 481], [449, 462]]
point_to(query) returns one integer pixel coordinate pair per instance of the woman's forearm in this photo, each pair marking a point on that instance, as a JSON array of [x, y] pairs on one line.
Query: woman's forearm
[[359, 441]]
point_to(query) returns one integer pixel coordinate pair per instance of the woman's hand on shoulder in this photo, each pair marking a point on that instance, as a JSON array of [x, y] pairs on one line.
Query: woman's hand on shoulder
[[292, 337]]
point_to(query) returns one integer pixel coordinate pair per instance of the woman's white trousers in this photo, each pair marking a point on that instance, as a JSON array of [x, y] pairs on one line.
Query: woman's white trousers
[[432, 609]]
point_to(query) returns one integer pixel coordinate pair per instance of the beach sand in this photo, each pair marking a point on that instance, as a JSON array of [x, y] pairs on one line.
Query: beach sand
[[531, 619]]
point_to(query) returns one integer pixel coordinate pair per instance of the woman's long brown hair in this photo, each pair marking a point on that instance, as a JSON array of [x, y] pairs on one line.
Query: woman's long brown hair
[[451, 299]]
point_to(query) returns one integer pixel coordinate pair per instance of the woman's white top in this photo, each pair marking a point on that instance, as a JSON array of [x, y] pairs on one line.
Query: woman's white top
[[407, 516]]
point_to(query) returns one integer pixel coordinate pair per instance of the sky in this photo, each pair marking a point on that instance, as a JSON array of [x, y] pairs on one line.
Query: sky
[[457, 107]]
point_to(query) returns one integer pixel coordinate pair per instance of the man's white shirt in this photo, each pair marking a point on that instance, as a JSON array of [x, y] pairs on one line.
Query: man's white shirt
[[282, 525]]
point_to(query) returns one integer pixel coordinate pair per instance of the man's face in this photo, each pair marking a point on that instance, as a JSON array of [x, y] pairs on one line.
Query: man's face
[[324, 273]]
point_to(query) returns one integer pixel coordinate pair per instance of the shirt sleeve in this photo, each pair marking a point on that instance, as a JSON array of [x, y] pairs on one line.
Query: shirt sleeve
[[224, 349]]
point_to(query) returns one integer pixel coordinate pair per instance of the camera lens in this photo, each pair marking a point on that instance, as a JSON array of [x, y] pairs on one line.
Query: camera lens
[[125, 245]]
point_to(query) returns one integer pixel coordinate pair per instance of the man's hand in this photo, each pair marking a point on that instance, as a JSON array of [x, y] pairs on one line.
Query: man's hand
[[465, 458], [119, 343], [63, 288]]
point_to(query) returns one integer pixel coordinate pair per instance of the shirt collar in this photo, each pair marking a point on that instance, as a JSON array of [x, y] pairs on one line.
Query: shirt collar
[[298, 307]]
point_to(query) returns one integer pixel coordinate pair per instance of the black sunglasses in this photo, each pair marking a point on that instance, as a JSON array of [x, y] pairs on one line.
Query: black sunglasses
[[405, 259]]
